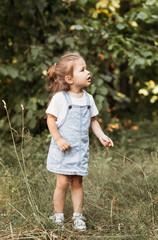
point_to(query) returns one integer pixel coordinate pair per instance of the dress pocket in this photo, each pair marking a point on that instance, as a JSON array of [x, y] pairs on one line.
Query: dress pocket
[[55, 156]]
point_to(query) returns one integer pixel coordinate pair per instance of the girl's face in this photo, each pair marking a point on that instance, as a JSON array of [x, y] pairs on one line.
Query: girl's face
[[81, 76]]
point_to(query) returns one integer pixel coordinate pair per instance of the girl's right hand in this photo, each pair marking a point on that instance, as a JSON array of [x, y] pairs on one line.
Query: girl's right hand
[[63, 144]]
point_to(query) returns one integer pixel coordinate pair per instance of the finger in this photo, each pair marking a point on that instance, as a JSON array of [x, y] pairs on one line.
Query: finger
[[104, 142], [111, 143], [62, 149], [68, 145], [66, 148], [107, 144]]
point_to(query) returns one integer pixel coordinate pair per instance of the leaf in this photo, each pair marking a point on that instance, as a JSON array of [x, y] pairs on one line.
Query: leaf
[[84, 51], [12, 72], [18, 120], [120, 26], [43, 66], [102, 4], [99, 82], [17, 108], [29, 75], [29, 114], [137, 61], [23, 78], [151, 2], [154, 17], [94, 41], [147, 53], [41, 102], [103, 90], [142, 16], [3, 71], [106, 104], [59, 41], [32, 123], [69, 41], [99, 105], [51, 39], [32, 104], [140, 61], [106, 78], [1, 123], [34, 52], [132, 16], [83, 2], [78, 27], [100, 98], [93, 89]]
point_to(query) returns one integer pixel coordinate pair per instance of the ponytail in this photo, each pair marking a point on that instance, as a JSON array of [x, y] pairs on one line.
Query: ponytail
[[51, 77]]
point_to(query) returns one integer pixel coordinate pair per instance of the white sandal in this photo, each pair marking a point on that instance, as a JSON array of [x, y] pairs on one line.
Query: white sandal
[[79, 222], [58, 219]]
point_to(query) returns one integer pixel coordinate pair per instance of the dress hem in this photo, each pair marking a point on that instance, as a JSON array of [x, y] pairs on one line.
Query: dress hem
[[67, 173]]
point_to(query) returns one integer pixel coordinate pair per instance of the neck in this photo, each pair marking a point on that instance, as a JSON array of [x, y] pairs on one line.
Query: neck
[[79, 91]]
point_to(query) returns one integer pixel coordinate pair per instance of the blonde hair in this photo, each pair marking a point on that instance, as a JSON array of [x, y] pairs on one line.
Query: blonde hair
[[57, 72]]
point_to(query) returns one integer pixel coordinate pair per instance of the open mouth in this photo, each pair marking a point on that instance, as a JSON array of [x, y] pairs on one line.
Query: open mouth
[[89, 79]]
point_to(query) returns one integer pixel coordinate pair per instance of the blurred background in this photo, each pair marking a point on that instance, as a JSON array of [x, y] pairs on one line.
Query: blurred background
[[117, 38]]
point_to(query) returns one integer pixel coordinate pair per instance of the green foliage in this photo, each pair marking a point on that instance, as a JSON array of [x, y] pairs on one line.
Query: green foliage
[[118, 39]]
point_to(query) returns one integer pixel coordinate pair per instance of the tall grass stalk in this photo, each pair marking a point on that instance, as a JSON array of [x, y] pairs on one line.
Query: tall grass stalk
[[23, 168]]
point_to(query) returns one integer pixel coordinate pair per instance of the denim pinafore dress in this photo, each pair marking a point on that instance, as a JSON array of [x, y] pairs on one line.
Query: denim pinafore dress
[[75, 130]]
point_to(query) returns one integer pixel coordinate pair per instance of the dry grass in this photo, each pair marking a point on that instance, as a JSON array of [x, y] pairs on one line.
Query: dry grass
[[121, 199]]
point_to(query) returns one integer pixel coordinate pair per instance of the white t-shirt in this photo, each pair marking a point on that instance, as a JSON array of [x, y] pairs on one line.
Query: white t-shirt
[[58, 105]]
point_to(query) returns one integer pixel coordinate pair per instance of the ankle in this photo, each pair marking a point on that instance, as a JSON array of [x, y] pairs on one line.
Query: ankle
[[59, 214], [76, 214]]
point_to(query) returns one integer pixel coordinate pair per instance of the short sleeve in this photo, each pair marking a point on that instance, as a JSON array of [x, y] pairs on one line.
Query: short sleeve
[[55, 105], [94, 111]]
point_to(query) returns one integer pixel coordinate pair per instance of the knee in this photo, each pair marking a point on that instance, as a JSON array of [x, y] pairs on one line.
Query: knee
[[63, 185], [76, 182]]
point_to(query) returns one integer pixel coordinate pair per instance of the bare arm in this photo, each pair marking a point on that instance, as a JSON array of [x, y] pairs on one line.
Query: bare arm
[[62, 143], [105, 140], [51, 123]]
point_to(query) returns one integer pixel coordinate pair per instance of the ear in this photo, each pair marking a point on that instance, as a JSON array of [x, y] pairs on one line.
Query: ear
[[69, 80]]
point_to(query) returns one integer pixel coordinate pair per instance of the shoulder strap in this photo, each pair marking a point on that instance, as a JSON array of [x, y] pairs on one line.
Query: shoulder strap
[[87, 97], [68, 99]]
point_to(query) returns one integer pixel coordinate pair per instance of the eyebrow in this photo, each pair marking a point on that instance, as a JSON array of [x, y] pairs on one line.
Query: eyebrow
[[84, 66]]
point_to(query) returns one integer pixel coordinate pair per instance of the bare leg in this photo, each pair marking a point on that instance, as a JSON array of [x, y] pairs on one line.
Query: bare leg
[[77, 193], [62, 186]]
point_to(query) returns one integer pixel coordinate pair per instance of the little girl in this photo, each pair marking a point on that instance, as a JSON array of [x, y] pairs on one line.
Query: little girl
[[70, 113]]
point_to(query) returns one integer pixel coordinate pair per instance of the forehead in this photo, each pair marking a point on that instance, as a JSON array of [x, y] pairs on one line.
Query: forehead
[[79, 63]]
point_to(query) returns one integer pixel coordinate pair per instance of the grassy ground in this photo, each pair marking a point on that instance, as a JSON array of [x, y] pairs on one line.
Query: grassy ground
[[121, 197]]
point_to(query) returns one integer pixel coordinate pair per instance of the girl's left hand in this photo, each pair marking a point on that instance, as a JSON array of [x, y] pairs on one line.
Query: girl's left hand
[[106, 141]]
